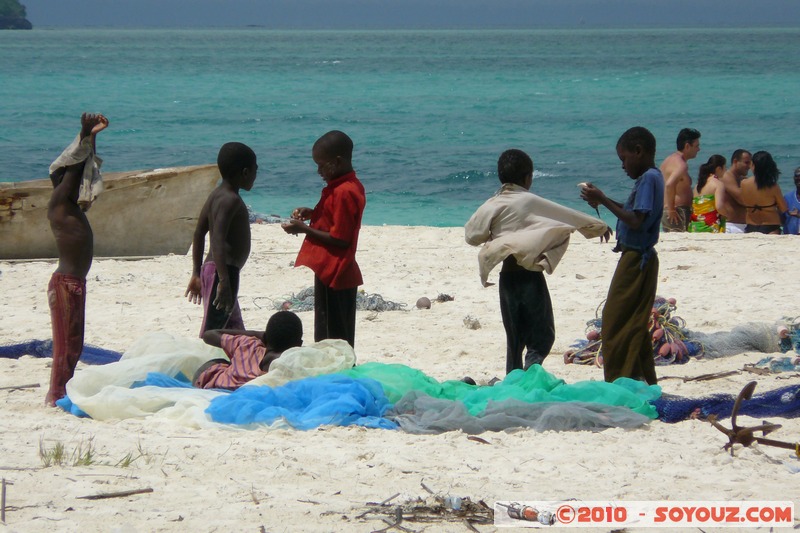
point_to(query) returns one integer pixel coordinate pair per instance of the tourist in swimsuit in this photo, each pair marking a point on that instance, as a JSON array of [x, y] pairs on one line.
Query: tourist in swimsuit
[[678, 183], [741, 161], [762, 196], [708, 204]]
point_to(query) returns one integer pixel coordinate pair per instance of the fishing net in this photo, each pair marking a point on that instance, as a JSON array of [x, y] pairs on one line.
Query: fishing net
[[106, 392], [304, 301], [91, 355], [306, 404], [139, 384], [674, 343], [314, 385], [776, 365], [261, 218], [789, 334], [419, 413], [749, 337], [533, 385], [364, 396], [784, 402]]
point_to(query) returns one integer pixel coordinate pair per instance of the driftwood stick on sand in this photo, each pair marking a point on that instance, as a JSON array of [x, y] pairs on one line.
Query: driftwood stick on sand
[[121, 494], [18, 387], [390, 498], [3, 500], [715, 375]]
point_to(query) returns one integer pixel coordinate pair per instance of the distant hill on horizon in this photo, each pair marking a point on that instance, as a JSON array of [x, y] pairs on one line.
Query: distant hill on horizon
[[12, 16], [414, 14]]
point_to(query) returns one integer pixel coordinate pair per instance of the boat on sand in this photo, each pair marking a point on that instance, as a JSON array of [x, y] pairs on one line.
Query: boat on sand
[[139, 213]]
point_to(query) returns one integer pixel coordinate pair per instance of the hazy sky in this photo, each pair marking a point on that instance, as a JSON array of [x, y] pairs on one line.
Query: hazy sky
[[413, 13]]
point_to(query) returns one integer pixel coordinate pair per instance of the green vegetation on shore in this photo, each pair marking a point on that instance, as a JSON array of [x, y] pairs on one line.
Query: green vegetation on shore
[[12, 8]]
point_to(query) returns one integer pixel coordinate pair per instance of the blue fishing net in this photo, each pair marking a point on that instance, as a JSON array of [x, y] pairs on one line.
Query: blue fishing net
[[91, 355], [783, 402], [306, 404]]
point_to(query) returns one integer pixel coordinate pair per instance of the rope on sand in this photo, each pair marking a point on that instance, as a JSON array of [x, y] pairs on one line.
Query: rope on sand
[[261, 218], [670, 338], [304, 301]]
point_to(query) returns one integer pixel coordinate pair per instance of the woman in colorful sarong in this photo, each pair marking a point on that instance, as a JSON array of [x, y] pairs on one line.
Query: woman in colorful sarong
[[708, 204]]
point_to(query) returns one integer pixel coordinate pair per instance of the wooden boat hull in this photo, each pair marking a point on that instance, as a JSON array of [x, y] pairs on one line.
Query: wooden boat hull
[[139, 213]]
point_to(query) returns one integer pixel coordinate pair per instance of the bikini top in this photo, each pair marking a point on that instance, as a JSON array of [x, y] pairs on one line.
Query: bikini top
[[761, 207]]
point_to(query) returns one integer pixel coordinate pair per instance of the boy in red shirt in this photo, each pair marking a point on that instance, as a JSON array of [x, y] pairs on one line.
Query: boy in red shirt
[[329, 248]]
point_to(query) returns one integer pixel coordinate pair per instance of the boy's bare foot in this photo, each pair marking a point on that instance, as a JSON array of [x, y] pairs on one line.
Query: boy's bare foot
[[52, 397]]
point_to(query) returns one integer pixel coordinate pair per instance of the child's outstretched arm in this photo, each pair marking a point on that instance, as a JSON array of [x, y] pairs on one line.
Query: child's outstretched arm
[[213, 337], [594, 197]]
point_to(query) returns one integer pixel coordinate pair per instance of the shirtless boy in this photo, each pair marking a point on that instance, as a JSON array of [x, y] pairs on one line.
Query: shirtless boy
[[741, 161], [66, 292], [677, 182], [225, 216]]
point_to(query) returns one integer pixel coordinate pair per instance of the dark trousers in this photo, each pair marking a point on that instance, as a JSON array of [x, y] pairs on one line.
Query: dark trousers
[[334, 313], [527, 317], [627, 344]]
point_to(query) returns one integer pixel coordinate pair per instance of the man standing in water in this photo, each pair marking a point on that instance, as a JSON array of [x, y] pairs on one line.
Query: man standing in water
[[678, 183], [74, 175], [741, 161]]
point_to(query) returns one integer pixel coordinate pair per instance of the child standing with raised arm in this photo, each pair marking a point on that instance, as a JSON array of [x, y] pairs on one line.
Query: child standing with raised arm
[[215, 283], [75, 175], [529, 235], [627, 346], [329, 248]]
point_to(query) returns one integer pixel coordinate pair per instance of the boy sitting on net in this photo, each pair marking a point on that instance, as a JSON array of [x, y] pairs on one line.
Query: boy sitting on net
[[250, 352]]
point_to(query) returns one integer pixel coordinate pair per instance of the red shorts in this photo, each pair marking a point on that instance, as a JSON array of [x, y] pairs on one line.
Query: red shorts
[[67, 297]]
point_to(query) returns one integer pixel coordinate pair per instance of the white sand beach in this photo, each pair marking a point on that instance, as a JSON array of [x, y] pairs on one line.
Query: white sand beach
[[324, 479]]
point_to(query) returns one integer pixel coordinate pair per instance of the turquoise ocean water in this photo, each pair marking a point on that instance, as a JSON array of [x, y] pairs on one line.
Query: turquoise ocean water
[[429, 111]]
